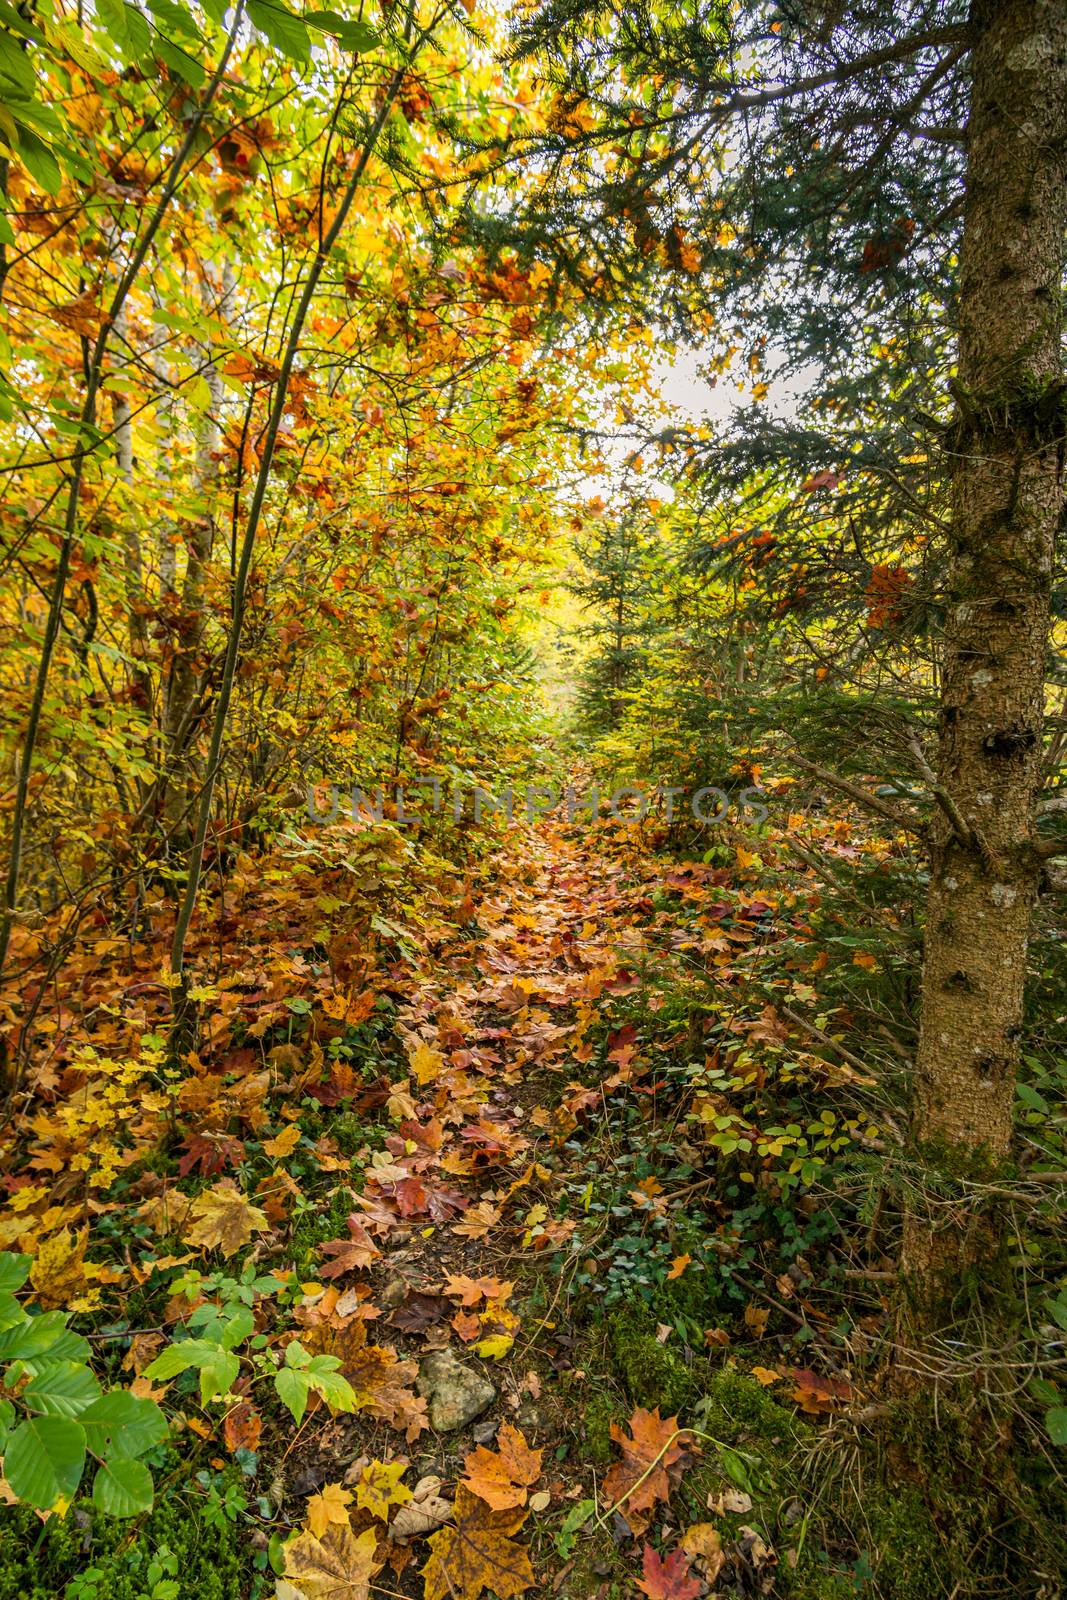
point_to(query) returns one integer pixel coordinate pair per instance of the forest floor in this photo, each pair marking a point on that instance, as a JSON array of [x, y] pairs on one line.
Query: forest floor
[[479, 1139]]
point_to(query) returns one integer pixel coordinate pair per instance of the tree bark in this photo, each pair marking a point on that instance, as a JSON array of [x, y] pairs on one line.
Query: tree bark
[[1006, 465]]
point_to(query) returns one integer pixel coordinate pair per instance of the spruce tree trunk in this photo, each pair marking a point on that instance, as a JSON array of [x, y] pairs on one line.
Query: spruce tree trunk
[[1007, 495]]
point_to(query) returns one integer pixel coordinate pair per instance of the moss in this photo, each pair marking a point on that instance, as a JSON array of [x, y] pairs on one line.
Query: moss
[[736, 1409], [94, 1557], [316, 1226], [599, 1412], [350, 1132], [653, 1374]]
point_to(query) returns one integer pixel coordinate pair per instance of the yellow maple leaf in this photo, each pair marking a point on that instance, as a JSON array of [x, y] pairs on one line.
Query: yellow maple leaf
[[378, 1487], [223, 1219], [285, 1143], [58, 1271], [495, 1346], [339, 1566], [425, 1063], [329, 1506], [477, 1553]]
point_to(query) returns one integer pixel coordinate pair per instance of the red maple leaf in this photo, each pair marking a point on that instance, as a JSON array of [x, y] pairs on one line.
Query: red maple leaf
[[668, 1578]]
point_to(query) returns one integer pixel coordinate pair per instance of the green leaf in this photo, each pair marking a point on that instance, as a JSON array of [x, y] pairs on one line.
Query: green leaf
[[180, 1357], [1056, 1423], [123, 1424], [357, 36], [181, 62], [174, 18], [285, 31], [35, 1335], [337, 1392], [296, 1355], [14, 1270], [44, 1459], [15, 65], [111, 17], [293, 1389], [60, 1389], [123, 1487], [217, 1377], [65, 1346], [139, 34], [38, 160]]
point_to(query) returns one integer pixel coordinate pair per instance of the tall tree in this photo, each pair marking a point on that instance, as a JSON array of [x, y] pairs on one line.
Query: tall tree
[[878, 190], [1005, 453]]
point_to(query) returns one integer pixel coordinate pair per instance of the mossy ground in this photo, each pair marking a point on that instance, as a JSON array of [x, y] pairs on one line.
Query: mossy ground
[[87, 1556], [914, 1507]]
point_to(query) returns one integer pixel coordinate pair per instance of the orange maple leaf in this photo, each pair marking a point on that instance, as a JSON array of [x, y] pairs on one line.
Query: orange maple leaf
[[635, 1483], [501, 1478]]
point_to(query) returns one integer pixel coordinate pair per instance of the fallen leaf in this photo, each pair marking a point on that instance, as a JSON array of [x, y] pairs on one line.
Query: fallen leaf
[[502, 1477], [817, 1395], [424, 1512], [477, 1553], [734, 1501], [667, 1578], [378, 1487], [635, 1483], [339, 1566], [285, 1143], [58, 1271], [223, 1219], [756, 1319], [703, 1544], [469, 1291], [351, 1254], [241, 1428], [328, 1507]]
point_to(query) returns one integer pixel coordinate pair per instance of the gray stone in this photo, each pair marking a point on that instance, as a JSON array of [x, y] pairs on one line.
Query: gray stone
[[457, 1393]]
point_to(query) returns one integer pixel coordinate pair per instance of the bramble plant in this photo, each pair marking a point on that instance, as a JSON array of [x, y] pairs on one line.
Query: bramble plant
[[66, 1417]]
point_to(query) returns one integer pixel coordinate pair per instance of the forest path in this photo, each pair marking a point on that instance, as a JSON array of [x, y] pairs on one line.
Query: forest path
[[461, 1212]]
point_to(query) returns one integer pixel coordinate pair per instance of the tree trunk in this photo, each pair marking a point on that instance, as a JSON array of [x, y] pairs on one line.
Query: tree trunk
[[1007, 494], [184, 689]]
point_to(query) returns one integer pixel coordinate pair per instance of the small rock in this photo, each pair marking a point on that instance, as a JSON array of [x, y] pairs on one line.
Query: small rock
[[530, 1419], [394, 1292], [457, 1393]]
